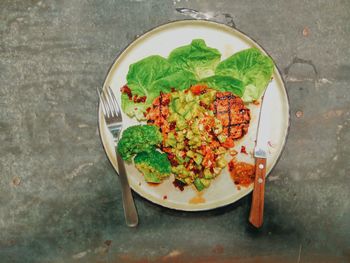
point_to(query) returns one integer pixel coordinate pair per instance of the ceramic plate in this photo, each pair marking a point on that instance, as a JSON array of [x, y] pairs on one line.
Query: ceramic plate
[[161, 41]]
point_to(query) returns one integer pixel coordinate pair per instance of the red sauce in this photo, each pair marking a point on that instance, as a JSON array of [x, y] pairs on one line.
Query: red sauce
[[138, 99], [165, 197], [141, 99], [243, 150], [172, 125], [125, 89], [153, 184], [205, 106], [242, 173], [165, 101], [172, 159], [179, 184], [198, 89], [229, 143]]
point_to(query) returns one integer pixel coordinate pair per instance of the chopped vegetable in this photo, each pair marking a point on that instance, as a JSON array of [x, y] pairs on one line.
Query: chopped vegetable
[[198, 141], [154, 165]]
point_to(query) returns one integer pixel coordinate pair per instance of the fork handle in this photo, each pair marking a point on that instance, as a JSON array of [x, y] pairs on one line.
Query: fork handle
[[257, 208], [130, 213]]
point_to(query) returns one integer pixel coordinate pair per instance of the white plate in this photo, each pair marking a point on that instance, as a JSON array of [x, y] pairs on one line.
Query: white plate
[[227, 40]]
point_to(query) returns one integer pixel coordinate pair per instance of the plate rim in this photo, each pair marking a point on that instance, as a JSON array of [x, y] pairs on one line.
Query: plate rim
[[229, 28]]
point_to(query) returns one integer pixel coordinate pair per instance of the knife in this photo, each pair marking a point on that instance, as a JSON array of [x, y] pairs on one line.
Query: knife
[[260, 154]]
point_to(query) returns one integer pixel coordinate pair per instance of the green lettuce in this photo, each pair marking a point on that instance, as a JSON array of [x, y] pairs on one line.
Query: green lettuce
[[197, 60], [141, 80], [245, 74], [224, 83], [148, 77], [251, 67], [151, 75]]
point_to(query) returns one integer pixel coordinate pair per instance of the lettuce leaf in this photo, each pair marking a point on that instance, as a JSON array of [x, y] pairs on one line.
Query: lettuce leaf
[[224, 83], [148, 77], [246, 74], [251, 67], [197, 60], [151, 75]]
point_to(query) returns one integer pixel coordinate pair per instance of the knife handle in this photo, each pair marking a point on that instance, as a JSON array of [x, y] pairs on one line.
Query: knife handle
[[257, 207]]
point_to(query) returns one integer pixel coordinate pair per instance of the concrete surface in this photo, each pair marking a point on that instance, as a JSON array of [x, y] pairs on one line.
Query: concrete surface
[[59, 197]]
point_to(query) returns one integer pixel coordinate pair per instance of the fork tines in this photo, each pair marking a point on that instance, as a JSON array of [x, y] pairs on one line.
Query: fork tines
[[110, 106]]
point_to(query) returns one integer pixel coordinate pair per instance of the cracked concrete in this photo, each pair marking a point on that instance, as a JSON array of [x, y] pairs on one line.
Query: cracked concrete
[[59, 197]]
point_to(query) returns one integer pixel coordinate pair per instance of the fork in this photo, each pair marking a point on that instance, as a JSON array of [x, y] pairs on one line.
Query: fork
[[113, 118]]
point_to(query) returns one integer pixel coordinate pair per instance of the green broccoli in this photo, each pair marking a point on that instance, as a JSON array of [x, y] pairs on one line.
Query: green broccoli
[[139, 138], [154, 165]]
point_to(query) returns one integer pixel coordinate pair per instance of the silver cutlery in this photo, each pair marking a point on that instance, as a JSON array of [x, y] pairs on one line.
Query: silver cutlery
[[114, 122]]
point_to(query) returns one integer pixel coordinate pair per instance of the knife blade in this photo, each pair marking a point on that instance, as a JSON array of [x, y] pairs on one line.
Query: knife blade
[[264, 125], [260, 154]]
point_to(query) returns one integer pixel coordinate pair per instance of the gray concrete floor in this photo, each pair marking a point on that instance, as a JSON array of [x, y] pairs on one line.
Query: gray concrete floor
[[59, 196]]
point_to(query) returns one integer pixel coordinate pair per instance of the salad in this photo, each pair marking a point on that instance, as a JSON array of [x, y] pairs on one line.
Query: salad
[[193, 107]]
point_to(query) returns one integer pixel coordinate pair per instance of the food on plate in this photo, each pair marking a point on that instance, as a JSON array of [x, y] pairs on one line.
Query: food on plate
[[242, 173], [194, 139], [195, 107], [232, 113], [154, 165], [250, 66], [137, 139]]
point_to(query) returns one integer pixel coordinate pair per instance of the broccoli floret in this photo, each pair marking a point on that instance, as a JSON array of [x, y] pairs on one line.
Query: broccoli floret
[[154, 165], [139, 138]]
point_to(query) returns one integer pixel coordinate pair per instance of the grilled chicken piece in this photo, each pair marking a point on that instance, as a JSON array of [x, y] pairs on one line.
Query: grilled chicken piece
[[233, 114], [229, 109], [159, 111]]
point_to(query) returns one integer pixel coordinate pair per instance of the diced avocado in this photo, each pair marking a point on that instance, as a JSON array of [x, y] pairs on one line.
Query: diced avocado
[[175, 95], [208, 174], [181, 123], [173, 117], [208, 97], [195, 127], [190, 154], [182, 111], [182, 97], [171, 140], [198, 158], [221, 162], [189, 97], [188, 116], [220, 150], [205, 100], [195, 141], [222, 138], [218, 126], [178, 105], [189, 134], [180, 146], [198, 184], [205, 182], [180, 137], [188, 180]]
